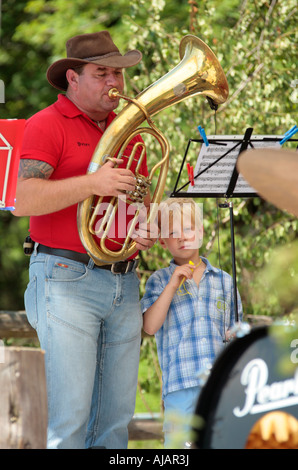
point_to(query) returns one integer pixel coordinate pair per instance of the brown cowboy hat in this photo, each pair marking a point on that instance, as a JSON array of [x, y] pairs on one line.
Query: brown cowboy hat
[[95, 48]]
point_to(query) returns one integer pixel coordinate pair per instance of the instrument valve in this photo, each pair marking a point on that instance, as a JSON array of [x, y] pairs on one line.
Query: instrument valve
[[143, 180]]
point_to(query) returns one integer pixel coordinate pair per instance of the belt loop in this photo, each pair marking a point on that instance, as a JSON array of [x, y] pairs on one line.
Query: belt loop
[[130, 266], [35, 249], [113, 269], [90, 264]]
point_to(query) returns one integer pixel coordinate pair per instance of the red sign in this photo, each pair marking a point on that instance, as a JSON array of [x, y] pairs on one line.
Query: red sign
[[11, 136]]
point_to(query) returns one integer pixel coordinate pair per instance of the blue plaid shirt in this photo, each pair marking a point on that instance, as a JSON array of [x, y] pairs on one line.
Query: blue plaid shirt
[[194, 329]]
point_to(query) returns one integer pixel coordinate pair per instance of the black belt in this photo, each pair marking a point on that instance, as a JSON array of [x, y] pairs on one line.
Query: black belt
[[121, 267]]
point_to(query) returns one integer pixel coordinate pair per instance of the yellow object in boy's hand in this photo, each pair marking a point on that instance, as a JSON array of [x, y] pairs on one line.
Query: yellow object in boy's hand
[[179, 290]]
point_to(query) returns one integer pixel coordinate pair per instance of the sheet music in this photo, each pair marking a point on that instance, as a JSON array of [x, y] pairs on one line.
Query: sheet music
[[216, 163]]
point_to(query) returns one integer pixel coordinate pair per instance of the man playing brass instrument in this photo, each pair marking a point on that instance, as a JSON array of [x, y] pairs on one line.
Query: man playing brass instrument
[[87, 317]]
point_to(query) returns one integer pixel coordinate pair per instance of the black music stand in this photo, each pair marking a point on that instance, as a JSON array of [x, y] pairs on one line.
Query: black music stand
[[220, 182]]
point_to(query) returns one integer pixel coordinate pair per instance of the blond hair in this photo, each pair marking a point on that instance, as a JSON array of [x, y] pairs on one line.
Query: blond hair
[[178, 209]]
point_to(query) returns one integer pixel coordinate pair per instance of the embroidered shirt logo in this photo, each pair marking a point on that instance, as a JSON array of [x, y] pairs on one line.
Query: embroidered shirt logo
[[221, 304], [84, 144]]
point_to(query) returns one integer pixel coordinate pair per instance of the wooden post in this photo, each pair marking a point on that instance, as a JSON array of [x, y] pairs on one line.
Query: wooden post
[[23, 402], [15, 325], [143, 426]]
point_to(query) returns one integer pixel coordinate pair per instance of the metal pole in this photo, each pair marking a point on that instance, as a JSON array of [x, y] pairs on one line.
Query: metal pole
[[233, 261]]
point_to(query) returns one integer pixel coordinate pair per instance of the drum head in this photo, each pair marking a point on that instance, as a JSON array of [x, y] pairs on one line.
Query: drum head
[[250, 399]]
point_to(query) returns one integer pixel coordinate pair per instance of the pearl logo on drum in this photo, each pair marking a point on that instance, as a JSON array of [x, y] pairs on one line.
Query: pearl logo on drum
[[263, 397]]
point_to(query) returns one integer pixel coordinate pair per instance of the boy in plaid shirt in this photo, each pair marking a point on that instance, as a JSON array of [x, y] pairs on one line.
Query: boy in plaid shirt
[[189, 307]]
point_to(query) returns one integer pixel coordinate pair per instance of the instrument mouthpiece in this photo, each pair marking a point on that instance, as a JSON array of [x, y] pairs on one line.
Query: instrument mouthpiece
[[113, 93]]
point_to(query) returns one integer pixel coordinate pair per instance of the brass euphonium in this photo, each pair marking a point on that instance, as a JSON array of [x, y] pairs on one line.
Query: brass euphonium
[[199, 72]]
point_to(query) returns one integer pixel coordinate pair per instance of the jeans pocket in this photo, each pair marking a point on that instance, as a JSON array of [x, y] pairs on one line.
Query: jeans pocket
[[61, 270], [30, 298]]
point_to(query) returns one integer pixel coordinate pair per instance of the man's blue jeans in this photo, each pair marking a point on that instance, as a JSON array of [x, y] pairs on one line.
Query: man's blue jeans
[[88, 322]]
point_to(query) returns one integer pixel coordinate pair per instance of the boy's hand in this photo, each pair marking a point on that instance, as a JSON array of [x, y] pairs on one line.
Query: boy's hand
[[230, 335], [180, 274]]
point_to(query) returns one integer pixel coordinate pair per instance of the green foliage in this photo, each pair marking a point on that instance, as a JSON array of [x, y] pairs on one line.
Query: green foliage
[[255, 46], [13, 263]]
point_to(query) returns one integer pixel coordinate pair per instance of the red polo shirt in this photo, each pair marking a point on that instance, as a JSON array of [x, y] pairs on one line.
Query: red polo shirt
[[65, 138]]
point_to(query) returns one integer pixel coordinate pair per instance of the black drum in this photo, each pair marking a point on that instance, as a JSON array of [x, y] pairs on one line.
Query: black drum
[[250, 399]]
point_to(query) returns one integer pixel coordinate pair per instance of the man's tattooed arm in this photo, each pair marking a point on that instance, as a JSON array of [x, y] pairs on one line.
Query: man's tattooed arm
[[34, 169], [38, 195]]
